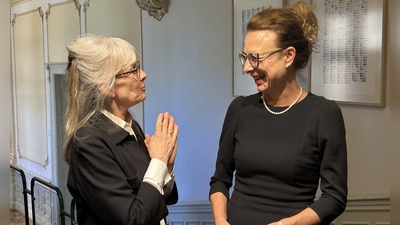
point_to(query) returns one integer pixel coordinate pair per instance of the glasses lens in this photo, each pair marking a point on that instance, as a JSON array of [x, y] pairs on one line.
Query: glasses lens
[[253, 59], [242, 58], [137, 72]]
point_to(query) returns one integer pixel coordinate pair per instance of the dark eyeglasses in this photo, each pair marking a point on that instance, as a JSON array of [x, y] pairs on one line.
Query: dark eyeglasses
[[132, 73], [255, 57]]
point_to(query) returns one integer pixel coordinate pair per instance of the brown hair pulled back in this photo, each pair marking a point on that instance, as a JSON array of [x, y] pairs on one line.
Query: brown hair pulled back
[[295, 26]]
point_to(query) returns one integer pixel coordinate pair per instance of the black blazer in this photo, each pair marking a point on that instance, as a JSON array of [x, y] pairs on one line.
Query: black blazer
[[105, 176]]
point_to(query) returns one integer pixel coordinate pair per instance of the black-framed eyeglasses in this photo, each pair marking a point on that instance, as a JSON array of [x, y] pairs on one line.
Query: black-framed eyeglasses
[[255, 57], [132, 73]]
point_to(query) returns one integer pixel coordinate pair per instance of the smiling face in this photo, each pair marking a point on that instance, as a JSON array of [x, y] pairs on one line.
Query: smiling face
[[272, 68]]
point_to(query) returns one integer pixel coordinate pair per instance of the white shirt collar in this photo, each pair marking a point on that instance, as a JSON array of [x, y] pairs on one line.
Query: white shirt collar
[[120, 122]]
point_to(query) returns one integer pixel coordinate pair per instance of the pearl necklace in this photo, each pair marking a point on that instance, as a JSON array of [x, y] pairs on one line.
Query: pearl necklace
[[287, 109]]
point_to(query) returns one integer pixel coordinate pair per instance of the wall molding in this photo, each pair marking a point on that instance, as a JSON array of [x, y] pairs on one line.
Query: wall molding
[[17, 2]]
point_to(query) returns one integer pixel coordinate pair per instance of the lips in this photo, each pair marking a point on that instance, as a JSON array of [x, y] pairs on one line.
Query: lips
[[258, 78]]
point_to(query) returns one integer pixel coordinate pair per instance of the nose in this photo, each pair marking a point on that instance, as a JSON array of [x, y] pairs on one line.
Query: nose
[[247, 67], [143, 75]]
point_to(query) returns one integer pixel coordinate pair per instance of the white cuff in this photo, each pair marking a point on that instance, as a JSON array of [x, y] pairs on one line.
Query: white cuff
[[157, 175]]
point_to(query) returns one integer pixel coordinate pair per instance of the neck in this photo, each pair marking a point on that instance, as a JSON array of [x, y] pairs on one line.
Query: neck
[[120, 112], [284, 97]]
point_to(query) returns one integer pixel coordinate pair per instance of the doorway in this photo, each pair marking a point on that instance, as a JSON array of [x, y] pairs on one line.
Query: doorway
[[58, 107]]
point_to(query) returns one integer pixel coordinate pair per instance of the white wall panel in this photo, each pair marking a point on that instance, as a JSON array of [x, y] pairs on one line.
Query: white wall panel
[[30, 89], [63, 25]]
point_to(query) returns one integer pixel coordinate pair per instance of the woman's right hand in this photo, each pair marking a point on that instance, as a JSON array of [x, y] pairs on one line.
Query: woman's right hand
[[219, 207], [162, 145], [222, 223]]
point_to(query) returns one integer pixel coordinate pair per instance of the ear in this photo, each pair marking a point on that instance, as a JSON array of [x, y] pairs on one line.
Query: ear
[[103, 89], [290, 54]]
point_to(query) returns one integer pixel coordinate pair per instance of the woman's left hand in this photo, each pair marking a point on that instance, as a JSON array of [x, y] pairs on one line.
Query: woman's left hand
[[171, 161], [163, 144]]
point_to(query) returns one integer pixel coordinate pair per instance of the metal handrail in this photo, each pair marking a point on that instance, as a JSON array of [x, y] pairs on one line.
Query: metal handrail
[[25, 192], [59, 195]]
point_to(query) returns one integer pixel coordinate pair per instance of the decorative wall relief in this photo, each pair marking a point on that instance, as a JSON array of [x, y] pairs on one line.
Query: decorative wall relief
[[155, 8]]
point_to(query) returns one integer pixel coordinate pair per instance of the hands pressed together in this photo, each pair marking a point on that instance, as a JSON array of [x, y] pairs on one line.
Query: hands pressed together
[[163, 144]]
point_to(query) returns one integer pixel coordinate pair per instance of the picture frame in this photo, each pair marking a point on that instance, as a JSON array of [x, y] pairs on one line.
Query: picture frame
[[349, 66]]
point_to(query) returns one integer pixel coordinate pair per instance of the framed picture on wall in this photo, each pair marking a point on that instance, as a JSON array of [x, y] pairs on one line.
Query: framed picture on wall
[[243, 10], [349, 66]]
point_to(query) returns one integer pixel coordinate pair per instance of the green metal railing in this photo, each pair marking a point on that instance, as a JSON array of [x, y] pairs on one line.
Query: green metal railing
[[25, 191], [43, 198]]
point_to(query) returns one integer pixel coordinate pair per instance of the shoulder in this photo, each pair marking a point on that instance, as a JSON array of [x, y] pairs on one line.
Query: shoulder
[[328, 111], [100, 129], [87, 135], [323, 103], [243, 101], [236, 106], [87, 130], [94, 126]]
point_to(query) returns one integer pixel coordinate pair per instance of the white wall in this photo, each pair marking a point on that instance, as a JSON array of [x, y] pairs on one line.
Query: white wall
[[5, 112], [29, 167], [49, 172], [188, 60]]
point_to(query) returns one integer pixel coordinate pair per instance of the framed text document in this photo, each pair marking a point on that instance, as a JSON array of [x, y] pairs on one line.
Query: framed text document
[[349, 66]]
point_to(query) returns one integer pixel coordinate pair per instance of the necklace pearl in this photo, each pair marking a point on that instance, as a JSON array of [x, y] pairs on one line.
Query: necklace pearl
[[285, 110]]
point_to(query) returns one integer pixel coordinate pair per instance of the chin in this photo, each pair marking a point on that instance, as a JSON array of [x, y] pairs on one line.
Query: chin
[[142, 99], [139, 100], [262, 88]]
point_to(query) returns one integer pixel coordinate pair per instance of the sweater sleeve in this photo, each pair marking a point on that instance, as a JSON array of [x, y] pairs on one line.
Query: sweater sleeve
[[333, 170], [221, 181]]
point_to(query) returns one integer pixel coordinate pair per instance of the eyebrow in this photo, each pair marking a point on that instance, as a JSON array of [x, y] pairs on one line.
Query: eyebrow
[[133, 67]]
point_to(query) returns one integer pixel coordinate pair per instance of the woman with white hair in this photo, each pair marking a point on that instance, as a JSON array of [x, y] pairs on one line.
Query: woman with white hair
[[117, 175]]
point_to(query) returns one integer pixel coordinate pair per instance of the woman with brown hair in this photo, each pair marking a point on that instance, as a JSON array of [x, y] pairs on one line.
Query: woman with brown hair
[[283, 142]]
